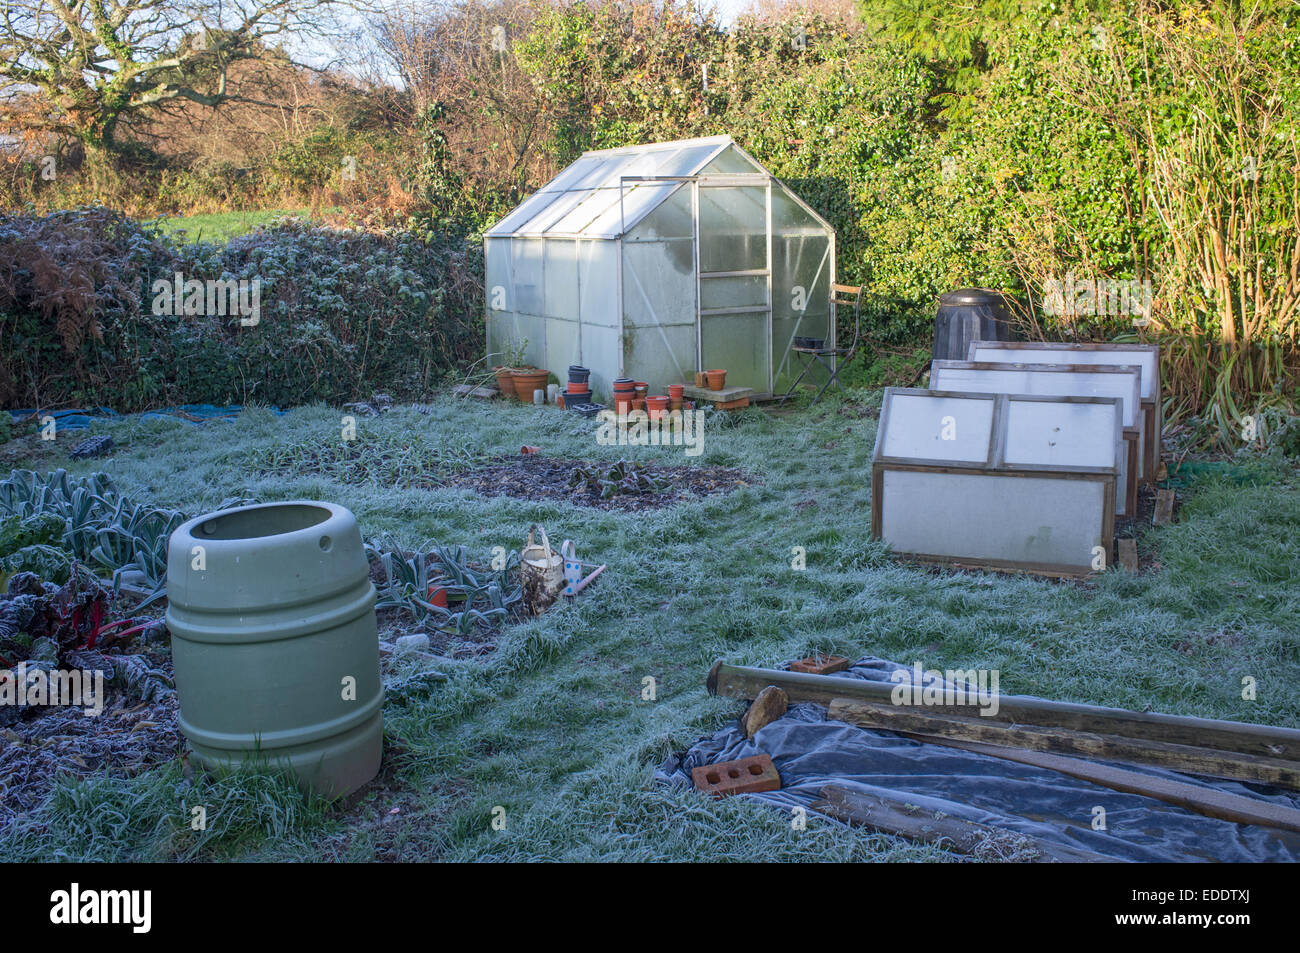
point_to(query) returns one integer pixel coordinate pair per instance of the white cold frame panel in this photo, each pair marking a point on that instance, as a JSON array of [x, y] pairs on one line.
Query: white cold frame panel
[[1048, 380], [1146, 357], [1063, 434], [1042, 523], [1004, 481], [1061, 380], [939, 428]]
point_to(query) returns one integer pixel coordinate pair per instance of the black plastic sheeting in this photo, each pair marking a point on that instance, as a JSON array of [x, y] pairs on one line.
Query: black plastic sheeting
[[810, 752]]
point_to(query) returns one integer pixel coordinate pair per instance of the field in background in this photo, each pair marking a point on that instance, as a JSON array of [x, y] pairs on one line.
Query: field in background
[[553, 727], [223, 226]]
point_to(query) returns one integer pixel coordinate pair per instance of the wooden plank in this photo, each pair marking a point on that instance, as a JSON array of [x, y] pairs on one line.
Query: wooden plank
[[727, 393], [1211, 803], [1164, 513], [1128, 553], [889, 816], [1132, 477], [739, 681], [914, 720], [463, 390]]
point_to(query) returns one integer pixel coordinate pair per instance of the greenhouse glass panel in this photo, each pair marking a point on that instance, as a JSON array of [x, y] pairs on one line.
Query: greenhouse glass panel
[[638, 200], [660, 355], [579, 220], [524, 213], [741, 292], [801, 282], [737, 343], [686, 160], [658, 288], [561, 279], [733, 228], [564, 203], [568, 180], [674, 219], [527, 275], [598, 284], [561, 347], [731, 160]]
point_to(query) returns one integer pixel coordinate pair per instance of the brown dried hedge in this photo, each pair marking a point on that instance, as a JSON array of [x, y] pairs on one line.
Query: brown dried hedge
[[342, 314]]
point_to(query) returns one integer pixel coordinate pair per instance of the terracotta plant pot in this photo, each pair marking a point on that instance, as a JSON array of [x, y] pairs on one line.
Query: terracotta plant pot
[[621, 406], [701, 379], [438, 596], [642, 388], [528, 380], [675, 403], [657, 406], [505, 382], [676, 391], [576, 388], [717, 379], [638, 403]]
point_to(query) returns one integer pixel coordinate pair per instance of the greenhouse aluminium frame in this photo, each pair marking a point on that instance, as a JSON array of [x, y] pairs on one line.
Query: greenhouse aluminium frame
[[658, 261]]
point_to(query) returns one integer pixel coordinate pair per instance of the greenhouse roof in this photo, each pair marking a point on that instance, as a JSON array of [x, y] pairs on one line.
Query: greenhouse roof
[[583, 200]]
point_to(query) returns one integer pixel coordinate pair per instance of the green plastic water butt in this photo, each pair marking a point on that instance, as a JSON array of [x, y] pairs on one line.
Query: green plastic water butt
[[272, 616]]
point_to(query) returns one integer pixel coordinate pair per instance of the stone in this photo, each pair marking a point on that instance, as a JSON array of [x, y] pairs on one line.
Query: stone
[[418, 642], [770, 705]]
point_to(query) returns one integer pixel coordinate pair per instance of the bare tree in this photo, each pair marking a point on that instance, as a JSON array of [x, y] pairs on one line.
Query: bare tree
[[93, 63], [457, 57]]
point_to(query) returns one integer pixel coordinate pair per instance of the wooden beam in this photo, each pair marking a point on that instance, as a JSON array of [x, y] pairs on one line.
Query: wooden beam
[[889, 816], [1128, 553], [916, 720], [1267, 741], [1211, 803], [1164, 507]]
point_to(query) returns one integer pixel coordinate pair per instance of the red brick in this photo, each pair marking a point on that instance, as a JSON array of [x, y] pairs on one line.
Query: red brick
[[746, 776], [820, 664]]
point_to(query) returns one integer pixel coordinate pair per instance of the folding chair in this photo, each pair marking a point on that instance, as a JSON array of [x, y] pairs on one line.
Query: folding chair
[[831, 358]]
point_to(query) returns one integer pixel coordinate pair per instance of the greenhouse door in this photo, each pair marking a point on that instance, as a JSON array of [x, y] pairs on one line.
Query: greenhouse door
[[733, 227]]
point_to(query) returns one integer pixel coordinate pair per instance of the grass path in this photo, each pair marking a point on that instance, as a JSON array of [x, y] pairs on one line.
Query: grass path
[[553, 728]]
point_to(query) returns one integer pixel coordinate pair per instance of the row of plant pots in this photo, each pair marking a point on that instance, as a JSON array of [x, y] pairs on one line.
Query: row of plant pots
[[521, 382], [632, 395]]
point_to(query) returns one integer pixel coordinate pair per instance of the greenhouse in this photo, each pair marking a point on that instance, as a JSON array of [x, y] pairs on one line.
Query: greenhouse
[[657, 261]]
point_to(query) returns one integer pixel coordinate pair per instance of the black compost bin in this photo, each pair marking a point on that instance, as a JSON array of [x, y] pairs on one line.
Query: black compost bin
[[969, 314]]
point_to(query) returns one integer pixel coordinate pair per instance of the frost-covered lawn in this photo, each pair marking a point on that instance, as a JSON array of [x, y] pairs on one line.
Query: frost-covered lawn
[[552, 726]]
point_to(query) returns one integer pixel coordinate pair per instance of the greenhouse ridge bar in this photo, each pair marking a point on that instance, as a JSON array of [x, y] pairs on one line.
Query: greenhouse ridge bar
[[658, 261]]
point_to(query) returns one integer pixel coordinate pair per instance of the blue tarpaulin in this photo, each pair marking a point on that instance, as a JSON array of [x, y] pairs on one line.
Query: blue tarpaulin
[[810, 752], [80, 419]]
